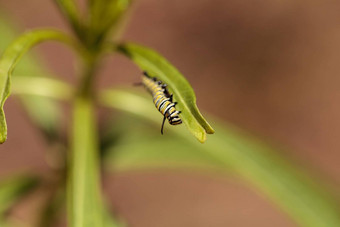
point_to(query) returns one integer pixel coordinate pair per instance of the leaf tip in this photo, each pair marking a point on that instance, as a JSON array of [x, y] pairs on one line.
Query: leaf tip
[[201, 137], [3, 127], [209, 130], [3, 137]]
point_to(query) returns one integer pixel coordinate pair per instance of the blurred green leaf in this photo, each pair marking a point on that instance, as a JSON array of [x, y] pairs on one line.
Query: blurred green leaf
[[4, 223], [157, 66], [12, 189], [229, 151], [70, 10], [114, 12], [111, 221], [42, 86], [151, 157], [37, 94], [52, 207], [44, 112], [134, 151], [85, 207], [12, 222], [106, 18], [10, 58]]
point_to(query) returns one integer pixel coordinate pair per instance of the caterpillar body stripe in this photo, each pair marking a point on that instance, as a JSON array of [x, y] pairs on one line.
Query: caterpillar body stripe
[[162, 99]]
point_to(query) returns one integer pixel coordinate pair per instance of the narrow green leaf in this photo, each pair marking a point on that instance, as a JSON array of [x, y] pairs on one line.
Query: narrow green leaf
[[114, 11], [229, 151], [150, 61], [12, 189], [106, 18], [42, 86], [131, 149], [10, 58], [85, 207], [72, 14], [52, 207], [111, 221], [96, 9], [39, 95], [43, 112]]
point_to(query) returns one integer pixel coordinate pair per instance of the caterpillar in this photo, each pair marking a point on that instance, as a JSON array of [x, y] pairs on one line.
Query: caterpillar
[[162, 99]]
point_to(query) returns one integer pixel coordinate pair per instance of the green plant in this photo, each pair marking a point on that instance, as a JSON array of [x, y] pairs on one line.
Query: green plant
[[230, 150]]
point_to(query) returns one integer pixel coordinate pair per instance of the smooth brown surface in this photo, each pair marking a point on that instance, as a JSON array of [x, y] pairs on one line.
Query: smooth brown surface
[[168, 199], [271, 67]]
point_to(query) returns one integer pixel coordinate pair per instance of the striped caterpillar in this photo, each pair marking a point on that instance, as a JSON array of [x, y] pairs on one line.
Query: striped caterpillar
[[162, 99]]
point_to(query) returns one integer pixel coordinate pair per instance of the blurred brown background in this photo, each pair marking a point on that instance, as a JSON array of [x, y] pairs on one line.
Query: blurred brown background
[[271, 67]]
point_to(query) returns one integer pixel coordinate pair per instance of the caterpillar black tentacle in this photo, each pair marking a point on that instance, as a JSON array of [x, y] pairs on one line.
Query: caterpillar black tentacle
[[162, 99], [163, 125]]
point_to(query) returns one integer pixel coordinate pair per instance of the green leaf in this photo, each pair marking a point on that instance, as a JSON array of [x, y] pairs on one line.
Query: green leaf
[[114, 11], [106, 18], [52, 207], [71, 12], [85, 207], [42, 86], [131, 149], [12, 189], [10, 58], [229, 151], [37, 94], [111, 221], [150, 61], [42, 111]]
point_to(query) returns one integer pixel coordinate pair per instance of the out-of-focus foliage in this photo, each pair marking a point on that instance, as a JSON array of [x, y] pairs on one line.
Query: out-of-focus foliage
[[44, 112], [229, 151], [106, 16], [48, 119], [13, 189], [10, 58], [134, 143]]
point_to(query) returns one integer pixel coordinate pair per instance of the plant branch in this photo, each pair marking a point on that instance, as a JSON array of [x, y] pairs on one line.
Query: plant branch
[[85, 204], [70, 11]]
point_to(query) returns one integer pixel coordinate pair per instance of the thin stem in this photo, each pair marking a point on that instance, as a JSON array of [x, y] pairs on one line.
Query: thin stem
[[84, 196]]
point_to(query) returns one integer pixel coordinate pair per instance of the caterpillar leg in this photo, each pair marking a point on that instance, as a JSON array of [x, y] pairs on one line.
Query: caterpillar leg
[[163, 125], [170, 98]]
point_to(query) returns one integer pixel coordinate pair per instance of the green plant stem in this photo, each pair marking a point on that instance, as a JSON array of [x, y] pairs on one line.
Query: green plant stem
[[90, 64], [84, 197]]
